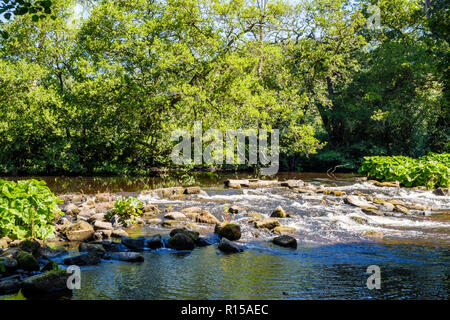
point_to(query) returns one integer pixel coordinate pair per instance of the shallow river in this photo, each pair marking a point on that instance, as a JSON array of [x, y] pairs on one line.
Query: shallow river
[[330, 262]]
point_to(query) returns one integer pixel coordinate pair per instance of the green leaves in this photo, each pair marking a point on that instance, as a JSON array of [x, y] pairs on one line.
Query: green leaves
[[431, 171], [27, 209], [126, 208]]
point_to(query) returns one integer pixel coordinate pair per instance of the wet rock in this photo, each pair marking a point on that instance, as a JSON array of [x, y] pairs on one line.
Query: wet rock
[[336, 193], [229, 230], [85, 259], [441, 192], [10, 286], [126, 256], [4, 242], [191, 210], [372, 212], [284, 230], [235, 184], [92, 247], [292, 184], [392, 184], [227, 246], [7, 264], [71, 209], [202, 242], [234, 209], [134, 243], [105, 197], [279, 213], [174, 215], [86, 213], [359, 220], [32, 246], [255, 215], [285, 241], [103, 225], [192, 190], [373, 234], [270, 223], [204, 216], [150, 209], [359, 203], [172, 224], [396, 202], [191, 234], [388, 206], [26, 261], [181, 241], [155, 242], [49, 253], [402, 209], [50, 265], [153, 221], [48, 282], [119, 233], [79, 231]]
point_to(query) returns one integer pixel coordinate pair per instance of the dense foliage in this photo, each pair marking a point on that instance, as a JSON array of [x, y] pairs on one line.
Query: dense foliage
[[101, 91], [126, 209], [432, 170], [27, 209]]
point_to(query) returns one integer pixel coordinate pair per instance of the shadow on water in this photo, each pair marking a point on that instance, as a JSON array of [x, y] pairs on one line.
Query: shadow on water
[[264, 271]]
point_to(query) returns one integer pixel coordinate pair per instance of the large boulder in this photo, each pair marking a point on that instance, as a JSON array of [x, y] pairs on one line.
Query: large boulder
[[284, 230], [181, 241], [194, 235], [26, 261], [126, 256], [229, 230], [154, 242], [100, 225], [206, 217], [10, 286], [192, 190], [279, 213], [227, 246], [32, 246], [269, 223], [79, 231], [285, 241], [85, 259], [48, 282], [137, 244], [71, 209]]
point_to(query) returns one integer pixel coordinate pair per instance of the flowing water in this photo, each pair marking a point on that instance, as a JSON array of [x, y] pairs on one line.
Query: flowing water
[[330, 262]]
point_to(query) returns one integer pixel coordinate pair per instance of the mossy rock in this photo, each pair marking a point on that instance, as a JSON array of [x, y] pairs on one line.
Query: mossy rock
[[194, 235], [26, 261], [50, 281], [229, 230]]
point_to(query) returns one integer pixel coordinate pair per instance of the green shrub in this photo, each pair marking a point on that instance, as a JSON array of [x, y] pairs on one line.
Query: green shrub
[[126, 208], [27, 209], [432, 170]]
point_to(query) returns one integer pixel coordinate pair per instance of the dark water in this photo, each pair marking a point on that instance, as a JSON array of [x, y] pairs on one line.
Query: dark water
[[265, 272], [330, 263]]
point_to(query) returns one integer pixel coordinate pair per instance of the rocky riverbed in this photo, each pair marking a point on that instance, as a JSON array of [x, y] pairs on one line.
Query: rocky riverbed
[[230, 218]]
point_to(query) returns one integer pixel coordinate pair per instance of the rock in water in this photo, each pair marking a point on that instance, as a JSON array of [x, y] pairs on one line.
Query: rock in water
[[155, 242], [9, 286], [26, 261], [126, 256], [79, 231], [180, 241], [50, 281], [227, 246], [279, 213], [285, 241], [92, 247], [229, 230], [191, 234], [7, 264], [192, 190], [359, 203], [175, 216], [134, 243], [270, 223], [85, 259]]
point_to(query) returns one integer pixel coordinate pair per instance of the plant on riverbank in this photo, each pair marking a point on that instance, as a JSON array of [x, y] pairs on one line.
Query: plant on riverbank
[[27, 209], [127, 209], [432, 170]]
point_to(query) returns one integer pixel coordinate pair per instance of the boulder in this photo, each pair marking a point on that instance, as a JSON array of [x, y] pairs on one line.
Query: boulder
[[441, 192], [119, 233], [202, 242], [85, 259], [285, 241], [150, 209], [48, 282], [292, 184], [32, 246], [103, 225], [359, 203], [269, 223], [192, 190], [174, 215], [97, 217], [181, 241], [4, 242], [72, 209], [206, 217], [279, 213], [26, 261], [7, 264], [229, 230], [194, 235], [92, 247], [284, 230], [227, 246], [372, 212], [50, 265], [236, 184], [10, 286], [167, 192], [402, 209], [126, 256], [137, 244], [154, 242], [79, 231]]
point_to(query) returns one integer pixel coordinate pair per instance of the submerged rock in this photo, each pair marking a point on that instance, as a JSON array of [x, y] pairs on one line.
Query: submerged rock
[[126, 256], [85, 259], [181, 241], [229, 230], [285, 241], [227, 246]]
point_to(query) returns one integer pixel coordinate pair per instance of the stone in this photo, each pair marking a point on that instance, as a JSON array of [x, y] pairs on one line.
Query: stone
[[202, 242], [153, 221], [279, 213], [359, 220], [4, 242], [292, 183], [285, 241], [284, 230], [71, 209], [105, 197], [137, 244], [32, 246], [194, 235], [402, 209], [336, 193], [172, 224], [174, 215], [236, 184], [229, 230], [191, 210], [79, 231], [227, 246], [7, 264], [150, 209], [373, 234], [50, 265], [154, 242], [106, 234], [126, 256], [359, 203], [97, 217], [103, 225], [181, 241], [388, 206], [371, 212], [206, 217], [48, 282], [192, 190], [84, 259], [10, 286], [92, 247], [167, 192], [26, 261], [392, 184], [119, 233], [234, 209], [269, 223], [441, 192]]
